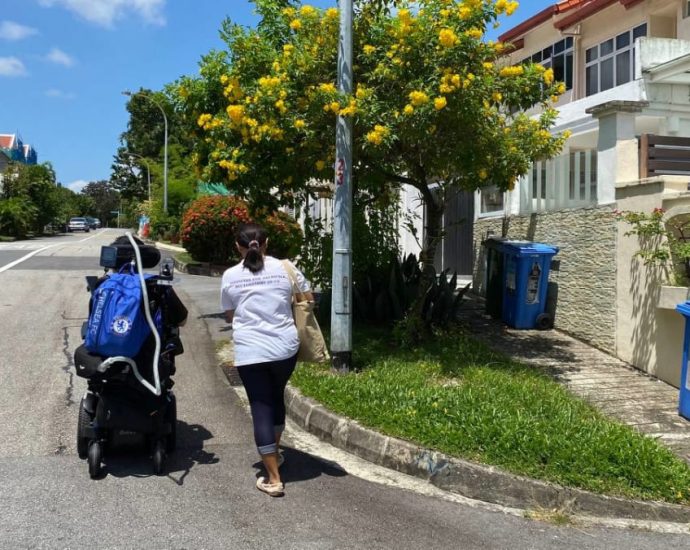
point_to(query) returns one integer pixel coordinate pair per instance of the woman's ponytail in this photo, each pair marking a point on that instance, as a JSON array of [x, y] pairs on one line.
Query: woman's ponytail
[[252, 237]]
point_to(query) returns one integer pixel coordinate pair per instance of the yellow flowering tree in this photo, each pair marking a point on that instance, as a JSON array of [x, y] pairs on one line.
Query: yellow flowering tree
[[435, 105]]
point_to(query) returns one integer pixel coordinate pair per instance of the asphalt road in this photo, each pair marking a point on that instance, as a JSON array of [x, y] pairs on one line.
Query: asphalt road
[[207, 499]]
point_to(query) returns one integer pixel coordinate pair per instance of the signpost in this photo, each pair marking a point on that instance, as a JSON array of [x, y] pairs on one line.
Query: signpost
[[118, 217]]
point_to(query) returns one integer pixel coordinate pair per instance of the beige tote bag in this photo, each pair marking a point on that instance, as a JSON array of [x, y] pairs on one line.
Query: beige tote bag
[[312, 346]]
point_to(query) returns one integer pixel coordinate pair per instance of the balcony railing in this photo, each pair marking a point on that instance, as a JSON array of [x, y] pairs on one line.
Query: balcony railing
[[567, 181]]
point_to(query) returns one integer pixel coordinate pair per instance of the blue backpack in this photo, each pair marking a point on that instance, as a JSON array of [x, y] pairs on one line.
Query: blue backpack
[[117, 323]]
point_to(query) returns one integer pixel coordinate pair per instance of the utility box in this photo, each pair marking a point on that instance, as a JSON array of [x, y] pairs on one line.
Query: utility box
[[684, 395], [493, 304], [526, 268]]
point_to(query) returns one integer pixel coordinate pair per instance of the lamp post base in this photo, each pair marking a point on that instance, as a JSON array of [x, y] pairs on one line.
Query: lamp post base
[[341, 362]]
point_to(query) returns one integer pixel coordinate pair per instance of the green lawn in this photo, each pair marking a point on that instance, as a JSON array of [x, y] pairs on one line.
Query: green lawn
[[459, 397]]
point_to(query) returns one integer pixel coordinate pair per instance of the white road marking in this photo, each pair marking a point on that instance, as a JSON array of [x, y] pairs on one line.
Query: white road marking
[[24, 258]]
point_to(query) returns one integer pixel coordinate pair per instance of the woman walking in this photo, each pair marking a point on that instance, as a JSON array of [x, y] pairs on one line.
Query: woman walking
[[256, 296]]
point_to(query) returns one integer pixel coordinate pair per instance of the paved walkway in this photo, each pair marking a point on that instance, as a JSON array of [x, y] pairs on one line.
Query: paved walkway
[[618, 389]]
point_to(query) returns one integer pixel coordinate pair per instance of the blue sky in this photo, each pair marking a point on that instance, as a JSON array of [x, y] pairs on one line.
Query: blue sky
[[64, 64]]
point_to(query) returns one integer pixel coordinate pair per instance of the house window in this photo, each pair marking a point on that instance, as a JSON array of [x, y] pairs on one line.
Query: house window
[[491, 200], [559, 57], [612, 62]]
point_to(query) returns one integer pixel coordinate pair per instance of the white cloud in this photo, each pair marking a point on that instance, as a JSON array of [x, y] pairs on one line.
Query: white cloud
[[59, 57], [106, 12], [9, 30], [11, 66], [59, 94], [77, 185]]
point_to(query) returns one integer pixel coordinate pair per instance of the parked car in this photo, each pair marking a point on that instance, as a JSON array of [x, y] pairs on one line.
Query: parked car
[[78, 224], [93, 223]]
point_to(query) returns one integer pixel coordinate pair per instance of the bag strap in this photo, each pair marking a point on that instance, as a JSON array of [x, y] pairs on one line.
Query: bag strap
[[296, 292]]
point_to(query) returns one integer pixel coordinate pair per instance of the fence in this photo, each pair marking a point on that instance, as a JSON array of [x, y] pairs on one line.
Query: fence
[[664, 155], [567, 181]]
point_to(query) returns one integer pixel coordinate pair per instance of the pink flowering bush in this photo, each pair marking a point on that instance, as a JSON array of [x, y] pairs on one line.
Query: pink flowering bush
[[210, 224], [209, 227]]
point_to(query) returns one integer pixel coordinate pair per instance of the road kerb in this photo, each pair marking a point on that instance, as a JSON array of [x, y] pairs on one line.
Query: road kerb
[[476, 481]]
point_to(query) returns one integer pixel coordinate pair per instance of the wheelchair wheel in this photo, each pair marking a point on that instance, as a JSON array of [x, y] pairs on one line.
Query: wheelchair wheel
[[83, 422], [158, 457], [95, 456]]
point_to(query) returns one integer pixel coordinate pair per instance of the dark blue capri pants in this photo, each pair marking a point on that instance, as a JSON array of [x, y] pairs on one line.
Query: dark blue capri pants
[[265, 384]]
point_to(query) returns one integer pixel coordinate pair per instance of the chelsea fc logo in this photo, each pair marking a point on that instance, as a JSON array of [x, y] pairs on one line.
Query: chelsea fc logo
[[121, 326]]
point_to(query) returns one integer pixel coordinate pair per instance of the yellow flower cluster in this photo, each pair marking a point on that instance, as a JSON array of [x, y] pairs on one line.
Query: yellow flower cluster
[[504, 6], [280, 105], [308, 11], [440, 103], [233, 90], [288, 49], [327, 87], [300, 124], [204, 119], [350, 110], [548, 77], [515, 70], [378, 134], [269, 82], [474, 33], [368, 49], [332, 14], [289, 12], [320, 165], [295, 24], [408, 110], [363, 92], [418, 98], [497, 97], [236, 113], [450, 82], [234, 169], [333, 106], [447, 38]]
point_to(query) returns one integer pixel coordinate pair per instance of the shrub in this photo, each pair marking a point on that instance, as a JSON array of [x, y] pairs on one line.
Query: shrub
[[284, 234], [209, 227], [17, 215]]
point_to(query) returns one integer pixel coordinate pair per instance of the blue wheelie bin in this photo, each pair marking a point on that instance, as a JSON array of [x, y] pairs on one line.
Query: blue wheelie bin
[[525, 280], [684, 395]]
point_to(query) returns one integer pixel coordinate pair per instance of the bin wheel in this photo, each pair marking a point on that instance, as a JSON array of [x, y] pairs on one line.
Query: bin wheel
[[158, 457], [95, 456], [83, 422], [544, 321]]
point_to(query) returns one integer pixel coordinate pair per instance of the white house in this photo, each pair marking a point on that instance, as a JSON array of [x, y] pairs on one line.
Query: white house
[[626, 66]]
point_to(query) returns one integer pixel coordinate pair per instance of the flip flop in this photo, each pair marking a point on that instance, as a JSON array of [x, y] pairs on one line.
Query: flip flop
[[271, 489]]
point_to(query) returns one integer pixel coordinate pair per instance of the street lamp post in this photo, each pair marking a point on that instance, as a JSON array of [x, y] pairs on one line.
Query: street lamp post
[[341, 310], [165, 144], [148, 170]]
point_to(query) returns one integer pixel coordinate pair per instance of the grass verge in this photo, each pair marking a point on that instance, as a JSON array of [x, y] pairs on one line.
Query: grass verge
[[458, 396]]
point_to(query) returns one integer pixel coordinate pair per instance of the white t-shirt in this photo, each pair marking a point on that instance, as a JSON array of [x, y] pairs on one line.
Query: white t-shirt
[[263, 328]]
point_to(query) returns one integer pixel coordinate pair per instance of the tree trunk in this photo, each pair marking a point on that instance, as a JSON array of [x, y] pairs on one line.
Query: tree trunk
[[417, 328]]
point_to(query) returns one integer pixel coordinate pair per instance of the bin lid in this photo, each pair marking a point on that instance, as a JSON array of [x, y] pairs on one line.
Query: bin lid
[[494, 242], [528, 247], [684, 308]]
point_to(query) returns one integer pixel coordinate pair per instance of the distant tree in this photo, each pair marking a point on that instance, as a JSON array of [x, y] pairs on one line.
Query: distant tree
[[104, 198], [35, 183]]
